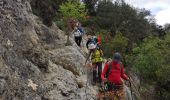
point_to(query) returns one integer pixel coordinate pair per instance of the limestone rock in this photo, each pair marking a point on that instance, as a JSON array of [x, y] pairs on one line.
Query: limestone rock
[[70, 58], [32, 85], [31, 50]]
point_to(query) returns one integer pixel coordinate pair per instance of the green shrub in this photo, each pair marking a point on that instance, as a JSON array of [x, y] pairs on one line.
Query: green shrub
[[116, 44], [71, 9], [60, 24], [151, 62]]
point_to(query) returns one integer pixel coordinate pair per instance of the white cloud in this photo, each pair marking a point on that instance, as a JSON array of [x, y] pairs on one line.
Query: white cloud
[[163, 16], [159, 8]]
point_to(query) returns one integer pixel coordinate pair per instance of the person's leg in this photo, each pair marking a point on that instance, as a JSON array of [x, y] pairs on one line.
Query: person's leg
[[121, 93], [97, 70], [94, 73], [99, 65], [76, 40], [80, 39], [117, 94]]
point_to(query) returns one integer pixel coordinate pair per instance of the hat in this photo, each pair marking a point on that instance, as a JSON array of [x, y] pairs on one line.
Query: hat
[[116, 57]]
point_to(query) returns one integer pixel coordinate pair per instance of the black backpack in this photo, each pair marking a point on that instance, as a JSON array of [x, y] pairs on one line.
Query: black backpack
[[110, 67]]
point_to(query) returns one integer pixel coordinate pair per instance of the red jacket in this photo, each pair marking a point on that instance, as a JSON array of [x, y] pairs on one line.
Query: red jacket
[[115, 74]]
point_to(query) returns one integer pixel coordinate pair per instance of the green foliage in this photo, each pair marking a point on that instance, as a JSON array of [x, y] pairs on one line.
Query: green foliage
[[119, 43], [120, 16], [151, 62], [57, 3], [116, 44], [90, 6], [89, 22], [148, 58], [60, 24], [46, 9], [71, 9], [163, 73]]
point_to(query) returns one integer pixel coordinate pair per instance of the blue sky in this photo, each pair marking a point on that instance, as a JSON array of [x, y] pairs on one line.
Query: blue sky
[[159, 8]]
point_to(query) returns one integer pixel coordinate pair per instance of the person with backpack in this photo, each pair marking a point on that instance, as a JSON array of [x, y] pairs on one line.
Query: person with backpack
[[93, 40], [80, 28], [96, 58], [111, 76], [77, 36]]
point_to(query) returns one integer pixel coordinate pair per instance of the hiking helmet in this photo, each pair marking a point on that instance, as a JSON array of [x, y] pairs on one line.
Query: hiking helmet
[[117, 57], [91, 46]]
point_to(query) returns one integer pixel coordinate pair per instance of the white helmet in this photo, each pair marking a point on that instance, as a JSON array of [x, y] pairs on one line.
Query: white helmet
[[91, 46]]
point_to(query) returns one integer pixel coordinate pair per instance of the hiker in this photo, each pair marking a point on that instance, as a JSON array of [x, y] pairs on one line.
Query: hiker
[[111, 76], [77, 36], [96, 58], [93, 40], [80, 28]]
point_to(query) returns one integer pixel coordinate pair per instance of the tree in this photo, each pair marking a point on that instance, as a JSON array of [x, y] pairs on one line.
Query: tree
[[151, 62], [119, 16], [116, 44], [167, 27], [104, 15], [90, 6], [71, 11], [46, 9]]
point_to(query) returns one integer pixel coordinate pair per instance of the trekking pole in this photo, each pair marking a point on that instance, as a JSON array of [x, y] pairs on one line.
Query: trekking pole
[[131, 90], [86, 90]]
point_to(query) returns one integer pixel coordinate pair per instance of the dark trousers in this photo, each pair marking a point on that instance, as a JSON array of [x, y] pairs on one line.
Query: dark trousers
[[96, 78], [78, 40]]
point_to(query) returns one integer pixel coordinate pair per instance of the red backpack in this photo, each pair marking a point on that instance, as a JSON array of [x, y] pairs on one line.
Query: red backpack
[[110, 68]]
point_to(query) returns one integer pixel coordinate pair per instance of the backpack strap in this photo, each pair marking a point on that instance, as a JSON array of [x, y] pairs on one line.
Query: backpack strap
[[108, 69], [121, 65]]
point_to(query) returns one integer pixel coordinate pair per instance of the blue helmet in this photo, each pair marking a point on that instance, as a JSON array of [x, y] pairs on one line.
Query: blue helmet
[[117, 57]]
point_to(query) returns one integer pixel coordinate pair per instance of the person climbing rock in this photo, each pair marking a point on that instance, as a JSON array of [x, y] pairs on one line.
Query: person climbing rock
[[80, 28], [93, 40], [111, 76], [96, 58], [77, 36]]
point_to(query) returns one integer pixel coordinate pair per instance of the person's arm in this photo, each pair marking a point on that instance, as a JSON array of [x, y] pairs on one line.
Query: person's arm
[[101, 52], [104, 71], [123, 75]]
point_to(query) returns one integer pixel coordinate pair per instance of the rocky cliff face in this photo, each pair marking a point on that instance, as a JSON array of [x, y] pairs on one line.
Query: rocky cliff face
[[35, 64]]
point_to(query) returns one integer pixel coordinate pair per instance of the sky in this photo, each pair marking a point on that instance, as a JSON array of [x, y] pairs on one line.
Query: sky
[[159, 8]]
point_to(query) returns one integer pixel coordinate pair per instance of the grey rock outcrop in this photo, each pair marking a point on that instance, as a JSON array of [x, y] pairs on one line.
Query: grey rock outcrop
[[33, 52]]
